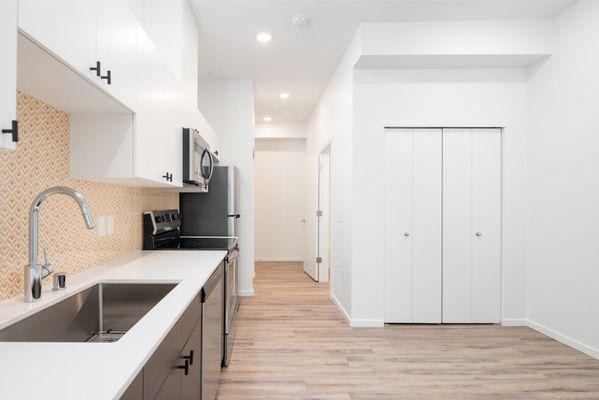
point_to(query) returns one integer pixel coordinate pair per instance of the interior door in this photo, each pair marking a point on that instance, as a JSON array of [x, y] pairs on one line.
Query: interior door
[[471, 225], [486, 225], [413, 183], [311, 222], [324, 216]]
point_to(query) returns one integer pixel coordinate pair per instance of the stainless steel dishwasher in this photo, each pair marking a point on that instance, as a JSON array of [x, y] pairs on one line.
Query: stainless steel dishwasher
[[212, 332]]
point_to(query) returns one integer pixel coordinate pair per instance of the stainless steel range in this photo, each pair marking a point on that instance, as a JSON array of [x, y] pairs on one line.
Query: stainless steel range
[[162, 232]]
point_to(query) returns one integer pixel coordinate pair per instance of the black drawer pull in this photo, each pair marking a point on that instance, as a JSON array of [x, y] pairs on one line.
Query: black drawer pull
[[184, 367], [14, 130], [168, 177], [108, 77], [97, 68], [189, 357]]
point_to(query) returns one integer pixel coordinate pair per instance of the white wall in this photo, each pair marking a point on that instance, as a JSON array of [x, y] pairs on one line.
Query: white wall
[[563, 157], [229, 107], [331, 121], [434, 97], [281, 130], [279, 199]]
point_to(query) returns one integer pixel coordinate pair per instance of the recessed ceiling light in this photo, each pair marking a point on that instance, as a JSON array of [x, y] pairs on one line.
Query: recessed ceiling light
[[284, 95], [264, 37], [268, 118]]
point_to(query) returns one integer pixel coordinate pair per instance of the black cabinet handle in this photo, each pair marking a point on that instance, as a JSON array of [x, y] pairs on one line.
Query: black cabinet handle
[[168, 177], [14, 130], [189, 357], [184, 367], [97, 68], [108, 77], [236, 216]]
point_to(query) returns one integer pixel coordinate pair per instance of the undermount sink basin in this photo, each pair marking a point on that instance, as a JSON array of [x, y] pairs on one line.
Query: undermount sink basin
[[101, 313]]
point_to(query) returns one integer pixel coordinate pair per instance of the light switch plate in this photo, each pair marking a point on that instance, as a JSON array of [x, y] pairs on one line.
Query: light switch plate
[[101, 226], [110, 225]]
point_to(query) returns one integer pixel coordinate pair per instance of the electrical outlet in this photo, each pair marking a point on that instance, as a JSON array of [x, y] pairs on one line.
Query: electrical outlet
[[110, 225], [101, 226]]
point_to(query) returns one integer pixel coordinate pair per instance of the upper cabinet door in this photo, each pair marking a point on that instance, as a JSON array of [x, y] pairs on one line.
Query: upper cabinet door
[[8, 70], [117, 48], [66, 28], [153, 122]]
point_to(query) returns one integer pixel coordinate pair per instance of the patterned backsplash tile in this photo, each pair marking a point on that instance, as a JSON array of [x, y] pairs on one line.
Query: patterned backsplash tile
[[41, 160]]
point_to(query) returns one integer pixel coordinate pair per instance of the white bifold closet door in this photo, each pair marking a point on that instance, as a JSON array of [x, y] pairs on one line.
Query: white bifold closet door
[[413, 183], [471, 225]]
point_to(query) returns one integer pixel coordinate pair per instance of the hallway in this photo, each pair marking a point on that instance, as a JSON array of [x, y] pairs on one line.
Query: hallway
[[292, 343]]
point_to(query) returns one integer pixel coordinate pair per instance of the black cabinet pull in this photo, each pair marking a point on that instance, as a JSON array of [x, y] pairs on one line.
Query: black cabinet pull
[[97, 68], [236, 216], [184, 367], [14, 130], [108, 77], [189, 357], [168, 177]]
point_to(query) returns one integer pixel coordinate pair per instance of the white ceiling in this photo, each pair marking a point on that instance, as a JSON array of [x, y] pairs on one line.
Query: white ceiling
[[301, 60]]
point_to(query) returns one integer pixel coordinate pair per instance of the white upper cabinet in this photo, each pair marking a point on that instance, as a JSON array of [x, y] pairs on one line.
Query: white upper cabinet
[[65, 28], [117, 47], [95, 38], [8, 72], [151, 121], [147, 56]]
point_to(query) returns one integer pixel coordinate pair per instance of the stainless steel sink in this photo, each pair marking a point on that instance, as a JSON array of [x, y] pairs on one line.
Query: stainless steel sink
[[101, 313]]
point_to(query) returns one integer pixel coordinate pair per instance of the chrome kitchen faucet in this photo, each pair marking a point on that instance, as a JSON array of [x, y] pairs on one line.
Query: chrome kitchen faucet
[[34, 272]]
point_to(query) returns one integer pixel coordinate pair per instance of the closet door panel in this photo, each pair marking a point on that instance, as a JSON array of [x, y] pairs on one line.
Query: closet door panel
[[398, 212], [486, 224], [426, 236], [457, 225]]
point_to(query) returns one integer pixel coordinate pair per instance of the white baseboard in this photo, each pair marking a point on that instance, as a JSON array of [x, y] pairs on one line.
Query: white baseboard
[[245, 293], [341, 309], [515, 322], [568, 341], [281, 259], [575, 344], [367, 323]]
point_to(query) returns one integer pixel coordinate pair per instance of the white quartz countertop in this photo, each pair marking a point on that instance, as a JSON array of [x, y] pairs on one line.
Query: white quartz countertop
[[101, 370]]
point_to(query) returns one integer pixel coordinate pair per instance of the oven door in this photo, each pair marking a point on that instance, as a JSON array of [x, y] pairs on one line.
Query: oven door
[[232, 301]]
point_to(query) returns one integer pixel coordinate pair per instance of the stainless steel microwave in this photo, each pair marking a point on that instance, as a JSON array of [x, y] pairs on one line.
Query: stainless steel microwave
[[198, 160]]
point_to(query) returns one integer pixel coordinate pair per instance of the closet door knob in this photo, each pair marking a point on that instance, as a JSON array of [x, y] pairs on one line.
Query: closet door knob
[[406, 234], [478, 234]]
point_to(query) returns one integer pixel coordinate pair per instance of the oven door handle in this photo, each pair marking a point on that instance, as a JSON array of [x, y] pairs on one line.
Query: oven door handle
[[232, 256]]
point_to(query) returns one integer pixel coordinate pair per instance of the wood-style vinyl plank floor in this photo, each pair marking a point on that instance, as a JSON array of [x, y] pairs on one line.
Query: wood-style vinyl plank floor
[[293, 344]]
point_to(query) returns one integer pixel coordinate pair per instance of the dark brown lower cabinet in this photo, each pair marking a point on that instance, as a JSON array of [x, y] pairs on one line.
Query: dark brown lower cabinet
[[191, 385], [174, 372], [135, 391], [163, 377]]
